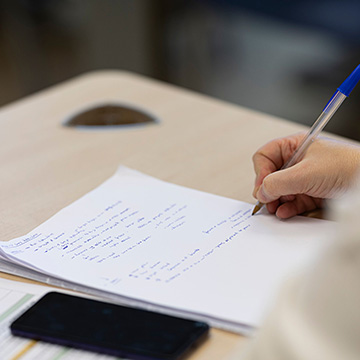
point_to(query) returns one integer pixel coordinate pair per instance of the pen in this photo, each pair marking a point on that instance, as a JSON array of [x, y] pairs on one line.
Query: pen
[[329, 110]]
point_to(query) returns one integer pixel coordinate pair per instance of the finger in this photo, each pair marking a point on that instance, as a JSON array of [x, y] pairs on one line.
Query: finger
[[268, 158], [272, 157], [259, 179], [298, 206], [275, 153], [272, 207], [261, 173], [263, 166], [287, 182]]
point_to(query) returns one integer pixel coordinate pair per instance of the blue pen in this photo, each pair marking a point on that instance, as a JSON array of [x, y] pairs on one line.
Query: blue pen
[[329, 110]]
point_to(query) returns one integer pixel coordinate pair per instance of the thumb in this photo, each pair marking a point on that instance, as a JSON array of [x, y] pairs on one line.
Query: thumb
[[281, 183]]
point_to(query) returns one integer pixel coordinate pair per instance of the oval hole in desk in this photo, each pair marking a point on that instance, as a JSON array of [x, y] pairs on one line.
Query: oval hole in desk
[[111, 115]]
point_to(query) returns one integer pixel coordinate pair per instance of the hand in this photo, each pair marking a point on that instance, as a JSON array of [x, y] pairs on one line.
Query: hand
[[326, 171]]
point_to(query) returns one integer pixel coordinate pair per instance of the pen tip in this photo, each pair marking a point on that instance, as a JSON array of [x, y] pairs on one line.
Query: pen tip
[[256, 209]]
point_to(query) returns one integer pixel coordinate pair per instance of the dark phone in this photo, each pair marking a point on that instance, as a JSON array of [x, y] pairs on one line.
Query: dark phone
[[107, 328]]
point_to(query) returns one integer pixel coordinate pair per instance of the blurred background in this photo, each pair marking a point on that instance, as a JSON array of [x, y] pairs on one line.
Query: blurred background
[[284, 58]]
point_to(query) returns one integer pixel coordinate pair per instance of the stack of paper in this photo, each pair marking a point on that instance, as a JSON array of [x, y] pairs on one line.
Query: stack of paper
[[141, 241]]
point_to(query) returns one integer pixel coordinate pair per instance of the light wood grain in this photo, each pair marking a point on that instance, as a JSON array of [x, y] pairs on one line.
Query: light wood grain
[[199, 142]]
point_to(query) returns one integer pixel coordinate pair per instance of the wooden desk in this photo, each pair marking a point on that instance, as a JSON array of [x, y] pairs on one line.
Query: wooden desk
[[199, 142]]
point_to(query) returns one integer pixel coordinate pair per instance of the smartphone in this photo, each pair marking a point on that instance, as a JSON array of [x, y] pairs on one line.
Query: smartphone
[[108, 328]]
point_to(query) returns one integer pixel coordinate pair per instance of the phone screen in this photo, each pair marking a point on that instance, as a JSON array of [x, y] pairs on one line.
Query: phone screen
[[108, 328]]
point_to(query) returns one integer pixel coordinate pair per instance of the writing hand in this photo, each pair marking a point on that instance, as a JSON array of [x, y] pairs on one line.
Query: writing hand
[[326, 171]]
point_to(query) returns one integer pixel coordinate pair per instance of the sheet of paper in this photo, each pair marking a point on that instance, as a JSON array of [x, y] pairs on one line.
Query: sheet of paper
[[174, 247], [15, 298]]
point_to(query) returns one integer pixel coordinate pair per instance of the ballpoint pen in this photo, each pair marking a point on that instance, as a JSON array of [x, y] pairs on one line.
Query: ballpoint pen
[[329, 110]]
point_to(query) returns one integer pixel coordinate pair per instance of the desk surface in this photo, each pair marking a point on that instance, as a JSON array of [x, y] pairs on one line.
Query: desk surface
[[199, 142]]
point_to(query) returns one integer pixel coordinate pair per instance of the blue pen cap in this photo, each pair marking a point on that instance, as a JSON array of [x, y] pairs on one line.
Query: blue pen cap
[[348, 85]]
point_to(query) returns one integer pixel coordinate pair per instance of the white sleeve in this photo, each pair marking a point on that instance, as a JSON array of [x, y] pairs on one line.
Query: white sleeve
[[317, 314]]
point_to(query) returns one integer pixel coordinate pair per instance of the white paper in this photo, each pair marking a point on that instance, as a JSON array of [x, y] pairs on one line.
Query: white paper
[[174, 247]]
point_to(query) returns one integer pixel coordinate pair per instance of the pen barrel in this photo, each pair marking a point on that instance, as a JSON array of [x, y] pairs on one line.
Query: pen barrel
[[333, 104], [317, 127]]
